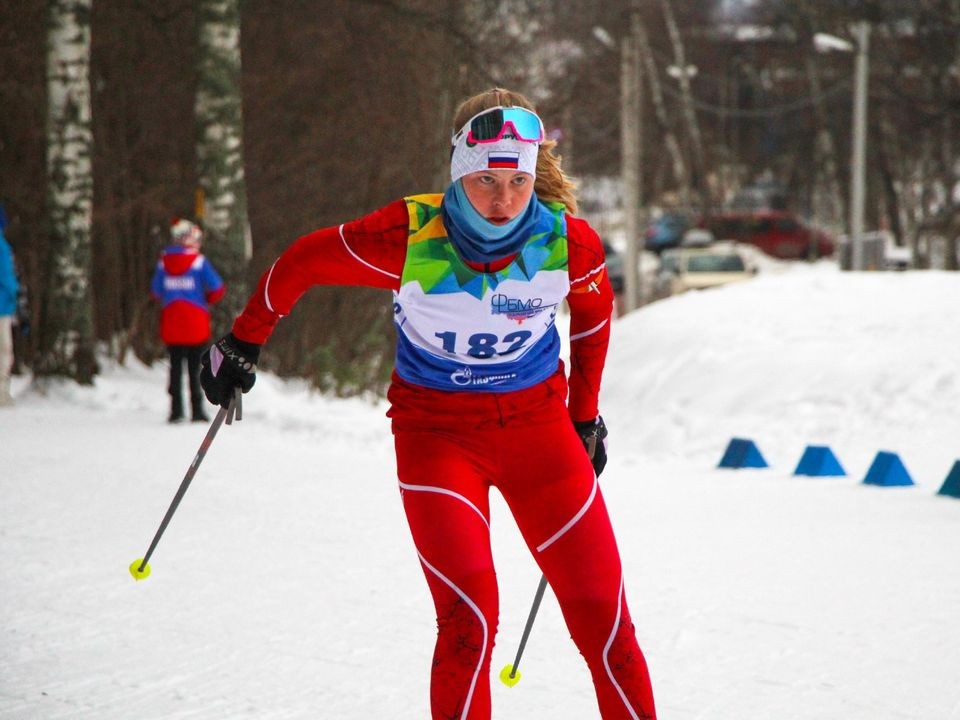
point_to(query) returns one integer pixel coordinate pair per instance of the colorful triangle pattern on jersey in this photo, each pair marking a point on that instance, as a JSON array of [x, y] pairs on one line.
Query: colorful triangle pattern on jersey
[[433, 262]]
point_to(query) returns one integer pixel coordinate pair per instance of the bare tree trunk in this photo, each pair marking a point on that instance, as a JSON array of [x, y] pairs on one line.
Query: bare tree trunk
[[220, 150], [449, 90], [680, 174], [689, 115], [829, 206], [890, 167], [949, 160], [66, 342], [922, 240]]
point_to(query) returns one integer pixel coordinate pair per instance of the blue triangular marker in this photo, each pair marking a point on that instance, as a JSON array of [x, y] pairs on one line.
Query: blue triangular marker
[[887, 470], [819, 461], [742, 453], [951, 486]]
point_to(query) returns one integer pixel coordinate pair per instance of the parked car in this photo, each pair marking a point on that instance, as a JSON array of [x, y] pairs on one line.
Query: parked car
[[762, 195], [698, 268], [778, 233], [666, 231], [697, 237]]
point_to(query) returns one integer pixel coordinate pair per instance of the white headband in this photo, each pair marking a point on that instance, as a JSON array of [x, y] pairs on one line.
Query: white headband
[[504, 154]]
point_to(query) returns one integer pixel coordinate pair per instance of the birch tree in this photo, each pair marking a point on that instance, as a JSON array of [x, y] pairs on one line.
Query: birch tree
[[220, 169], [66, 342]]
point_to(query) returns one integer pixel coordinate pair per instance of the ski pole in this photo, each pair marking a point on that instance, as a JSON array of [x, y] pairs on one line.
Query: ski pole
[[510, 675], [139, 567]]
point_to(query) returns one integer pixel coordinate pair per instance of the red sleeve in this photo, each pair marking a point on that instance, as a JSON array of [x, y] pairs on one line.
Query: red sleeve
[[367, 252], [215, 296], [591, 308]]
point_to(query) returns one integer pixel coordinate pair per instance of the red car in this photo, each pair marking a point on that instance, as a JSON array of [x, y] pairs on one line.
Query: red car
[[777, 233]]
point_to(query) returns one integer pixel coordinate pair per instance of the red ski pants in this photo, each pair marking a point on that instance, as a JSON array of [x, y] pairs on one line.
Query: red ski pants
[[547, 481]]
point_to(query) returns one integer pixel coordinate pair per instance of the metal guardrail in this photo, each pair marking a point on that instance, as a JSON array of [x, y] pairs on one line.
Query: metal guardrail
[[879, 252]]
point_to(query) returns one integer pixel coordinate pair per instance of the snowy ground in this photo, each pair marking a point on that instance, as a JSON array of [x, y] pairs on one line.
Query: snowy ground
[[286, 586]]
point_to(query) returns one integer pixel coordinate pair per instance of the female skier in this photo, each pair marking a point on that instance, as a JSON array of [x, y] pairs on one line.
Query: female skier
[[479, 395]]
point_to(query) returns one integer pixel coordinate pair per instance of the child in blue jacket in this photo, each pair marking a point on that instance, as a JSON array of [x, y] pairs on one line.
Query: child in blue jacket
[[186, 284], [8, 310]]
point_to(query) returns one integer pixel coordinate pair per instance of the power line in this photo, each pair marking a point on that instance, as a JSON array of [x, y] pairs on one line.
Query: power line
[[839, 88]]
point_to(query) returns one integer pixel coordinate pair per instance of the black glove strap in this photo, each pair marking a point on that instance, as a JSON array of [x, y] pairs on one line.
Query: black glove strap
[[242, 355], [592, 434]]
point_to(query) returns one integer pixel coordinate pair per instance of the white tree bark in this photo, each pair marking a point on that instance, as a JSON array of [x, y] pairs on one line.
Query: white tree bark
[[66, 338], [220, 154]]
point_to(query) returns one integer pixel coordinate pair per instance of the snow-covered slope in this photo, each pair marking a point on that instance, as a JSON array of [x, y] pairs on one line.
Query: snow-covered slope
[[286, 586]]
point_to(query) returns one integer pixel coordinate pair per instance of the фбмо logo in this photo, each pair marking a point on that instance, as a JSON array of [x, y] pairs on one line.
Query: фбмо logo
[[516, 308]]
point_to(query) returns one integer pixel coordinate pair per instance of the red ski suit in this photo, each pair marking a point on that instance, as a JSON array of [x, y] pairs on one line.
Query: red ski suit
[[452, 447]]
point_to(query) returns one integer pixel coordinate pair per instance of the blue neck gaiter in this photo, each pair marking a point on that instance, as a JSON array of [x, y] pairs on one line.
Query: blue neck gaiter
[[477, 239]]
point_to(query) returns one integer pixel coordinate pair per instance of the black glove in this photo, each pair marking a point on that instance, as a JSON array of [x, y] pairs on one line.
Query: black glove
[[226, 365], [593, 433]]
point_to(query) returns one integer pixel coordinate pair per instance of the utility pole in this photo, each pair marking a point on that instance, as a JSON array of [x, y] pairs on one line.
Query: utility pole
[[861, 31], [631, 108]]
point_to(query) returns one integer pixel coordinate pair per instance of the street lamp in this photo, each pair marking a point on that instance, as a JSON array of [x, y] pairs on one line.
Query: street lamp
[[677, 72], [858, 156]]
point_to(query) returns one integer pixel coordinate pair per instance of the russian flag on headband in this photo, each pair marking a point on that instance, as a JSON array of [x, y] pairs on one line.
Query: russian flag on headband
[[503, 159]]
